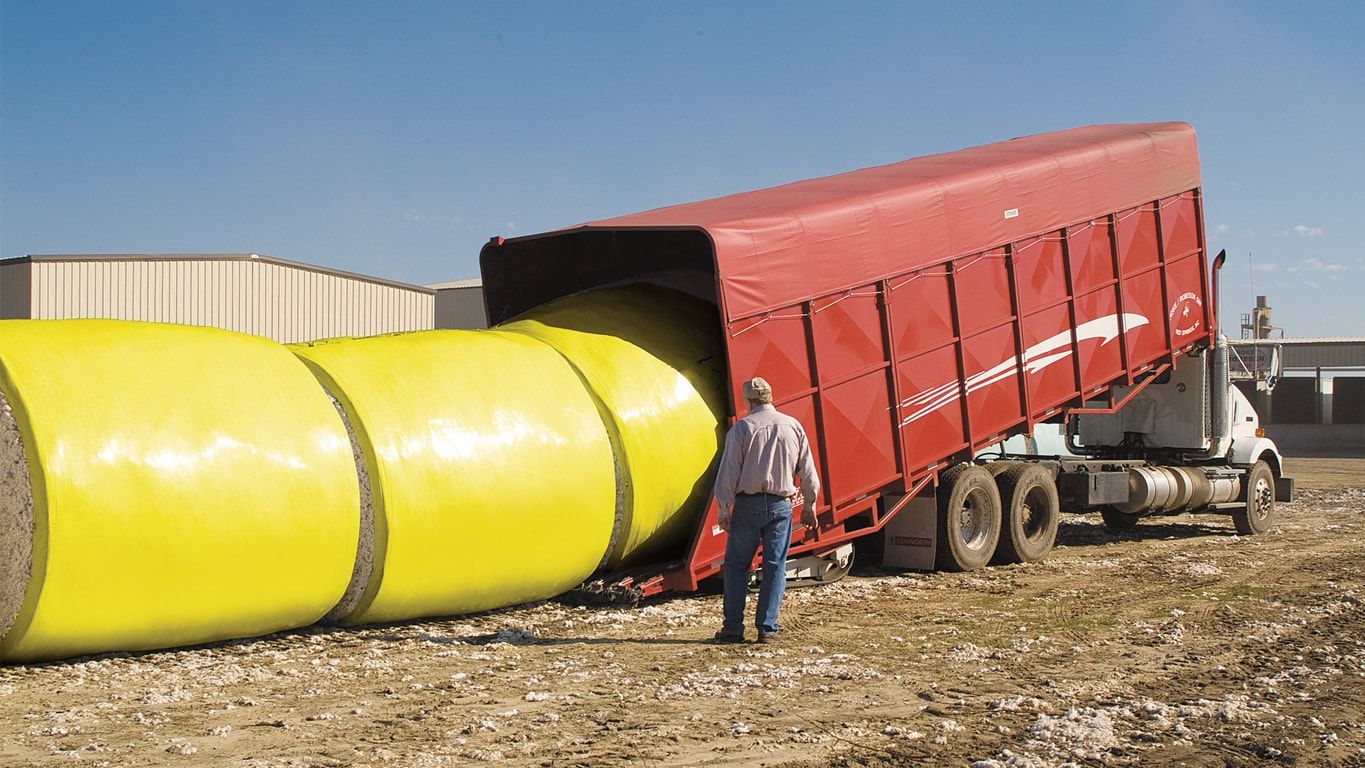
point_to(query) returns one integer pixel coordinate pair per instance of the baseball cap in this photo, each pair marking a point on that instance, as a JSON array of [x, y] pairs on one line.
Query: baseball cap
[[756, 388]]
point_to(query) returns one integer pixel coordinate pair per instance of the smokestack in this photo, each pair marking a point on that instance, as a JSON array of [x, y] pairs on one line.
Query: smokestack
[[1260, 319]]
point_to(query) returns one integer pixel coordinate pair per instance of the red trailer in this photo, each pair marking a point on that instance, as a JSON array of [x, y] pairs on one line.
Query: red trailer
[[911, 314]]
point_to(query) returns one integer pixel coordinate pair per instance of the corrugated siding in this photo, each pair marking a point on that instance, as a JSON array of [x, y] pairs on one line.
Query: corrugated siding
[[280, 302], [460, 308], [15, 291], [1326, 354]]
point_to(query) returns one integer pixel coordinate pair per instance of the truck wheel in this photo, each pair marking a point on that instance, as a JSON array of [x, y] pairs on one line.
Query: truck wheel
[[1115, 520], [968, 518], [1259, 494], [1028, 496]]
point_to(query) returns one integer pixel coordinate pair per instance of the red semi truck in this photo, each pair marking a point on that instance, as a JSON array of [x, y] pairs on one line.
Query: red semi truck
[[914, 315]]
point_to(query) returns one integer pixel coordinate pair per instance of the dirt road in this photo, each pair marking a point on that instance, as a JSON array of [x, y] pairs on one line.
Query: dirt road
[[1177, 643]]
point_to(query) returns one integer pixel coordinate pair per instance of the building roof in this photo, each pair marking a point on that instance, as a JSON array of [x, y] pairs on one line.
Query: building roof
[[1325, 352], [60, 257], [1305, 340], [470, 282]]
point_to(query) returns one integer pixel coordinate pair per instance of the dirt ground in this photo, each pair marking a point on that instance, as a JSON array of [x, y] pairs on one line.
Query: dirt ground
[[1176, 644]]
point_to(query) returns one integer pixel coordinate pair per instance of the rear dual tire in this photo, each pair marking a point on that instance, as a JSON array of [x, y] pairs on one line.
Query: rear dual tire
[[1004, 512], [968, 518], [1031, 513]]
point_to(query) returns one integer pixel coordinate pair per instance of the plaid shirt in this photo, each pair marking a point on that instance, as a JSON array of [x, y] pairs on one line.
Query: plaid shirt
[[763, 452]]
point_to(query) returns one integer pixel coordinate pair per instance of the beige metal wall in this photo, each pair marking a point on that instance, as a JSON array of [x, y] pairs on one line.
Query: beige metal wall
[[279, 300]]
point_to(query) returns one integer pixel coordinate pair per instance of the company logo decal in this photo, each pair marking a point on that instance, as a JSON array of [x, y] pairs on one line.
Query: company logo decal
[[1037, 357], [1187, 314]]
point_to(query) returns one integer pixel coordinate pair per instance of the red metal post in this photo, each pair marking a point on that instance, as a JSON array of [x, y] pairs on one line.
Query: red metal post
[[893, 380], [1165, 293], [1071, 313], [960, 350], [808, 325], [1112, 222], [1207, 289], [1017, 310]]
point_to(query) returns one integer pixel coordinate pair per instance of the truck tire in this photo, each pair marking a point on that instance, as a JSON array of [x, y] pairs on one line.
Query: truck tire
[[968, 518], [1030, 513], [1115, 520], [997, 468], [1258, 515]]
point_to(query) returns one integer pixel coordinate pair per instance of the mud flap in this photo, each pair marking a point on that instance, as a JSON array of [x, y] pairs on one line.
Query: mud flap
[[1284, 489], [910, 536]]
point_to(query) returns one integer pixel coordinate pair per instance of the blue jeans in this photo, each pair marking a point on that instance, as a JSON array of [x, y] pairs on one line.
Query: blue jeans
[[766, 520]]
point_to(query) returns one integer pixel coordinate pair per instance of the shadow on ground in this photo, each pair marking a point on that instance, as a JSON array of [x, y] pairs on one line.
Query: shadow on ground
[[1075, 533]]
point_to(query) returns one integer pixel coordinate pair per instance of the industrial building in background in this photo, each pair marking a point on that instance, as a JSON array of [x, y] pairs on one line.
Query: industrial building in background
[[459, 304], [281, 300], [1309, 392]]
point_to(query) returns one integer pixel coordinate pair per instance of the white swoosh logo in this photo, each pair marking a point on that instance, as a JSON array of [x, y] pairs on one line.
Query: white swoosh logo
[[1036, 358]]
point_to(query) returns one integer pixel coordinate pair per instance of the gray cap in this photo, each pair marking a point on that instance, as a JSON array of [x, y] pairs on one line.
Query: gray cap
[[757, 389]]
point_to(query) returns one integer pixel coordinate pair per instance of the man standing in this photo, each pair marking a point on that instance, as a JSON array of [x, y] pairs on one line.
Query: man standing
[[755, 494]]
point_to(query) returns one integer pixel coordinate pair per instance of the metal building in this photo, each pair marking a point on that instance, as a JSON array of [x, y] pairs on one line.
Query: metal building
[[1310, 354], [282, 300], [459, 304], [1318, 403]]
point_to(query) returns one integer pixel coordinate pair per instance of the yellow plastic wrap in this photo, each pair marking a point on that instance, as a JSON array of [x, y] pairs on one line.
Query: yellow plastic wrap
[[490, 469], [653, 359], [189, 485]]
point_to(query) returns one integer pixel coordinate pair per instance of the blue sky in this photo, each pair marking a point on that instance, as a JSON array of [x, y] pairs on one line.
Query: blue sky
[[395, 138]]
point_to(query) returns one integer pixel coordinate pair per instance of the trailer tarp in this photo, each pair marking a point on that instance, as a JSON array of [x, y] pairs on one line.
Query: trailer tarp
[[779, 246]]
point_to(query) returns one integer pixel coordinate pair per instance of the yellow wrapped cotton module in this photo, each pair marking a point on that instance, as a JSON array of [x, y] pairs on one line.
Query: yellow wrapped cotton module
[[489, 469], [165, 485], [653, 359]]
